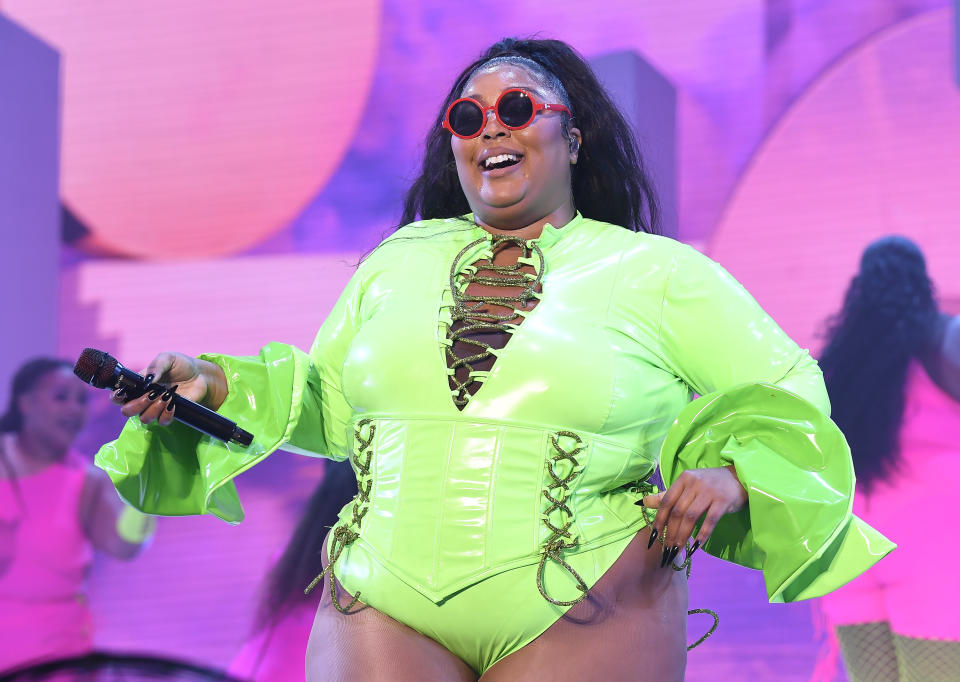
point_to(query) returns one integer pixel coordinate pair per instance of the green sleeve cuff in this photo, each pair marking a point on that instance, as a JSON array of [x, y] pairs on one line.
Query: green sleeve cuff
[[177, 471], [795, 465]]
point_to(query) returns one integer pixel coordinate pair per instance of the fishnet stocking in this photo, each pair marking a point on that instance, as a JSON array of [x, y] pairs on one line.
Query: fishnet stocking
[[873, 653], [927, 660], [868, 652]]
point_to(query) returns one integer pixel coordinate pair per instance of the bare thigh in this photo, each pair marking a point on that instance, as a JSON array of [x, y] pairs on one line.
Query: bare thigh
[[632, 626], [366, 645]]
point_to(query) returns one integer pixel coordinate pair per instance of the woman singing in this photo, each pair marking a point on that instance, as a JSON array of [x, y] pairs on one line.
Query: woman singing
[[502, 372]]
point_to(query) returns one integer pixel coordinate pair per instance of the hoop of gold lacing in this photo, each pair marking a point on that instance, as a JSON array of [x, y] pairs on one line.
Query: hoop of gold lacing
[[471, 315], [646, 488], [556, 493], [347, 533]]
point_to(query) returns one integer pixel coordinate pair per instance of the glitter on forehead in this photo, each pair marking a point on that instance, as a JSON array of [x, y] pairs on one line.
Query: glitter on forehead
[[543, 78]]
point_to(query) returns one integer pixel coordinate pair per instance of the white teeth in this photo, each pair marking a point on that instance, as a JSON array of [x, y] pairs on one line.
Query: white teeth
[[500, 159]]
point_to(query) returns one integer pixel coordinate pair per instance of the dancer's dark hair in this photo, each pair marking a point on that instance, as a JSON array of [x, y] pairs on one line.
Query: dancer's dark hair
[[887, 319], [609, 180], [27, 376], [301, 559]]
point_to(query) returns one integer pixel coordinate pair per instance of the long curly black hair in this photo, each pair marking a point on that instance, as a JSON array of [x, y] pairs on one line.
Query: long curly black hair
[[610, 182], [887, 319]]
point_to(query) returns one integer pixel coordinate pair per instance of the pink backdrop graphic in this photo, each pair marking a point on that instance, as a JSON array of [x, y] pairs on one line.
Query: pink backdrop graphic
[[243, 156]]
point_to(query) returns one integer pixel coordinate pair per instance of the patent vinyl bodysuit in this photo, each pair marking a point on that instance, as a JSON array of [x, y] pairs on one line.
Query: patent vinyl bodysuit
[[480, 523]]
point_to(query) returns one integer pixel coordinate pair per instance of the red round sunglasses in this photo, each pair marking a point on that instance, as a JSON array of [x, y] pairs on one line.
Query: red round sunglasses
[[515, 109]]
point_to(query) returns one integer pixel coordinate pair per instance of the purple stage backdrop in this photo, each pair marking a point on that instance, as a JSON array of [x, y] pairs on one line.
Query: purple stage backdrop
[[29, 201], [246, 155]]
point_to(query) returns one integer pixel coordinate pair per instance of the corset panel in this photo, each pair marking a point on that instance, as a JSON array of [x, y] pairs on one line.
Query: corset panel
[[473, 501]]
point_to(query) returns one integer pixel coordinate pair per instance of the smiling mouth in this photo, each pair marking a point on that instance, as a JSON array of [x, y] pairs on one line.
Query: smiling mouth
[[500, 161]]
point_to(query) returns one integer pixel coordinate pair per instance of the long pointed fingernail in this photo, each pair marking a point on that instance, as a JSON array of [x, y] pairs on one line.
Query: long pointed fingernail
[[696, 546], [147, 380], [673, 553], [653, 538], [171, 406], [169, 393], [152, 395], [666, 557], [639, 503]]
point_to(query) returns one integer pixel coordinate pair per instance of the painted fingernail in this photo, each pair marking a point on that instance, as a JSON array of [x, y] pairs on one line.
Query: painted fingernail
[[169, 393], [673, 553], [653, 538], [152, 395], [147, 380], [640, 503], [696, 546], [120, 395], [666, 557], [170, 406]]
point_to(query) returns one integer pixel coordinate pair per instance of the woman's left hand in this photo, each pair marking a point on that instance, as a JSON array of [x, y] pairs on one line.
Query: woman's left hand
[[697, 493]]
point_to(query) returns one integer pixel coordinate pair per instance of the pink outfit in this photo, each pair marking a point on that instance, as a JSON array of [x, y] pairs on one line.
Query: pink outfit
[[916, 588], [279, 652], [44, 559]]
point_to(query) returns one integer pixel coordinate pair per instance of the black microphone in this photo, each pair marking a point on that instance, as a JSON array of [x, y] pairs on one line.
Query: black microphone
[[101, 370]]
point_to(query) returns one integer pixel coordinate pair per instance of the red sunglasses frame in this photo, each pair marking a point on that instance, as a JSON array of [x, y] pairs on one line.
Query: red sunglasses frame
[[495, 107]]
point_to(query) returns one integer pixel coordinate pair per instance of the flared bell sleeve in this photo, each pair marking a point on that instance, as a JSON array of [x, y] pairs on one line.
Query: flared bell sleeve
[[795, 465], [764, 409], [286, 398]]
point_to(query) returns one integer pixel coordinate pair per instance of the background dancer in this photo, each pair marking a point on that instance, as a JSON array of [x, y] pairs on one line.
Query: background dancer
[[892, 367], [56, 509]]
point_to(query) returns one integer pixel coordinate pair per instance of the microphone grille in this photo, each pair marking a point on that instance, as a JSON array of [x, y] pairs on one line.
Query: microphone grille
[[95, 367]]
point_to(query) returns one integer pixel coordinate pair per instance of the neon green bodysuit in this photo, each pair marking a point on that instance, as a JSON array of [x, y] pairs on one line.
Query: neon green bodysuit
[[479, 524]]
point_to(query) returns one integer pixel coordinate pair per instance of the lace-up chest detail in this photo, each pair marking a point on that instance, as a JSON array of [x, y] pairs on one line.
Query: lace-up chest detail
[[490, 296]]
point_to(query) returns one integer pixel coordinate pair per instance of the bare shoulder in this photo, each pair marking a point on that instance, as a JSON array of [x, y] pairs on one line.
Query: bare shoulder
[[95, 483], [946, 366], [951, 340]]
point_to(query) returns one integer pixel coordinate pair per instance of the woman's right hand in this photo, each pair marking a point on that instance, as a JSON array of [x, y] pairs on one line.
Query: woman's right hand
[[198, 380]]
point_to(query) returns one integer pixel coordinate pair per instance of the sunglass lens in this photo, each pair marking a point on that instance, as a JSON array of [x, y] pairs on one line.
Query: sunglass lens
[[515, 109], [466, 118]]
